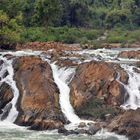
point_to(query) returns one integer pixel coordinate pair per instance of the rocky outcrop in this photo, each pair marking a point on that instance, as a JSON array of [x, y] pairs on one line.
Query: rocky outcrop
[[39, 96], [127, 124], [95, 90], [45, 46], [130, 54]]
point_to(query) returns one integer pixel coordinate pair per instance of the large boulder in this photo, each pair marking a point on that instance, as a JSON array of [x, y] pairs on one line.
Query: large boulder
[[38, 104], [127, 123], [95, 90]]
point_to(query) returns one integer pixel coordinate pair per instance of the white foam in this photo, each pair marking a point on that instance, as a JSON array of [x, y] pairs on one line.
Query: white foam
[[133, 88], [66, 107]]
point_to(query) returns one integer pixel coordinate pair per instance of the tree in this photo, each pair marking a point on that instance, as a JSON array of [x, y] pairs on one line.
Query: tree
[[79, 13], [10, 30], [47, 12]]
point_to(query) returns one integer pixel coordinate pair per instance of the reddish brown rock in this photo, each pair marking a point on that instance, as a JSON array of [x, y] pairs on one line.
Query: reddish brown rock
[[45, 46], [95, 91], [130, 54], [39, 95], [127, 124]]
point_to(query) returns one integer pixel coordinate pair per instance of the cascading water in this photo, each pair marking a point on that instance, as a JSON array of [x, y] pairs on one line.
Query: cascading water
[[7, 68], [64, 93], [7, 76], [61, 77], [132, 88]]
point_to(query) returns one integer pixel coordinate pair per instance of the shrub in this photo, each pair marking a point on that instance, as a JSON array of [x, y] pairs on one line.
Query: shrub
[[10, 30]]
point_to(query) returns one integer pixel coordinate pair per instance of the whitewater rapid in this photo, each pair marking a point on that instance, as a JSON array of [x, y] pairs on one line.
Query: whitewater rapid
[[60, 80], [7, 69], [7, 76], [132, 88], [62, 77]]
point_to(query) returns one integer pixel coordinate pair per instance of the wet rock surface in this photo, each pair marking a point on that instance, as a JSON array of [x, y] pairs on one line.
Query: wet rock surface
[[127, 123], [130, 54], [6, 96], [95, 90], [39, 96]]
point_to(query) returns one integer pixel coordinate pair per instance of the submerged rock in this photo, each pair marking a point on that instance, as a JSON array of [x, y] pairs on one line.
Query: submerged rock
[[39, 96]]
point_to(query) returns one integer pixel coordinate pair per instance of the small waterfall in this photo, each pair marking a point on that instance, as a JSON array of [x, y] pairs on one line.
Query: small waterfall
[[60, 80], [7, 68], [132, 88]]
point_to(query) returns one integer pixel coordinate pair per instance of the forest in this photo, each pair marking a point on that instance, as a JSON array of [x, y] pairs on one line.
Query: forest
[[69, 21]]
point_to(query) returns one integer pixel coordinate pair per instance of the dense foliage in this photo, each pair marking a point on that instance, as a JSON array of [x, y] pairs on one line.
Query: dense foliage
[[37, 16]]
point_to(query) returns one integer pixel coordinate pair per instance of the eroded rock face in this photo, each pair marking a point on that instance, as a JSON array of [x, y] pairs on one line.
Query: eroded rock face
[[6, 96], [95, 92], [130, 54], [127, 124], [39, 96]]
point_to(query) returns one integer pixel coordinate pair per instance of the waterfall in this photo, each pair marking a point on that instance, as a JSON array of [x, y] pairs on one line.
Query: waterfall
[[60, 80], [132, 88], [7, 67]]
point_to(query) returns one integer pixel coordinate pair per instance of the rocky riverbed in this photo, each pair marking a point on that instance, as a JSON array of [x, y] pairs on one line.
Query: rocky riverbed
[[97, 89]]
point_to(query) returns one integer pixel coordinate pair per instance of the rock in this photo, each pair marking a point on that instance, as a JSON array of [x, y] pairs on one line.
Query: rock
[[6, 111], [62, 130], [136, 70], [95, 91], [130, 54], [138, 64], [38, 104], [111, 45], [8, 56], [93, 129], [66, 63], [45, 46], [127, 123], [81, 125], [6, 96], [46, 124], [66, 132]]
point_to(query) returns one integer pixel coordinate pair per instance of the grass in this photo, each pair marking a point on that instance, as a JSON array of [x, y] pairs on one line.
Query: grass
[[80, 35]]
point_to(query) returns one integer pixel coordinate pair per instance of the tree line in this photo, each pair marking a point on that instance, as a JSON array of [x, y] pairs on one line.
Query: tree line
[[18, 14]]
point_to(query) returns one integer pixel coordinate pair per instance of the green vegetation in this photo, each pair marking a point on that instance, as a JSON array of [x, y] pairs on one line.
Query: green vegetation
[[123, 36], [61, 34], [97, 109], [11, 29], [71, 21]]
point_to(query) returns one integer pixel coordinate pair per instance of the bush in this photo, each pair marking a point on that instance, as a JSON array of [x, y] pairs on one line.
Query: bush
[[120, 35], [11, 29], [34, 34], [116, 39], [60, 34]]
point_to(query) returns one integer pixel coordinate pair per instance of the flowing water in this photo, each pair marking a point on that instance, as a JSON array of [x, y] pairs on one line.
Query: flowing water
[[132, 88], [62, 77]]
